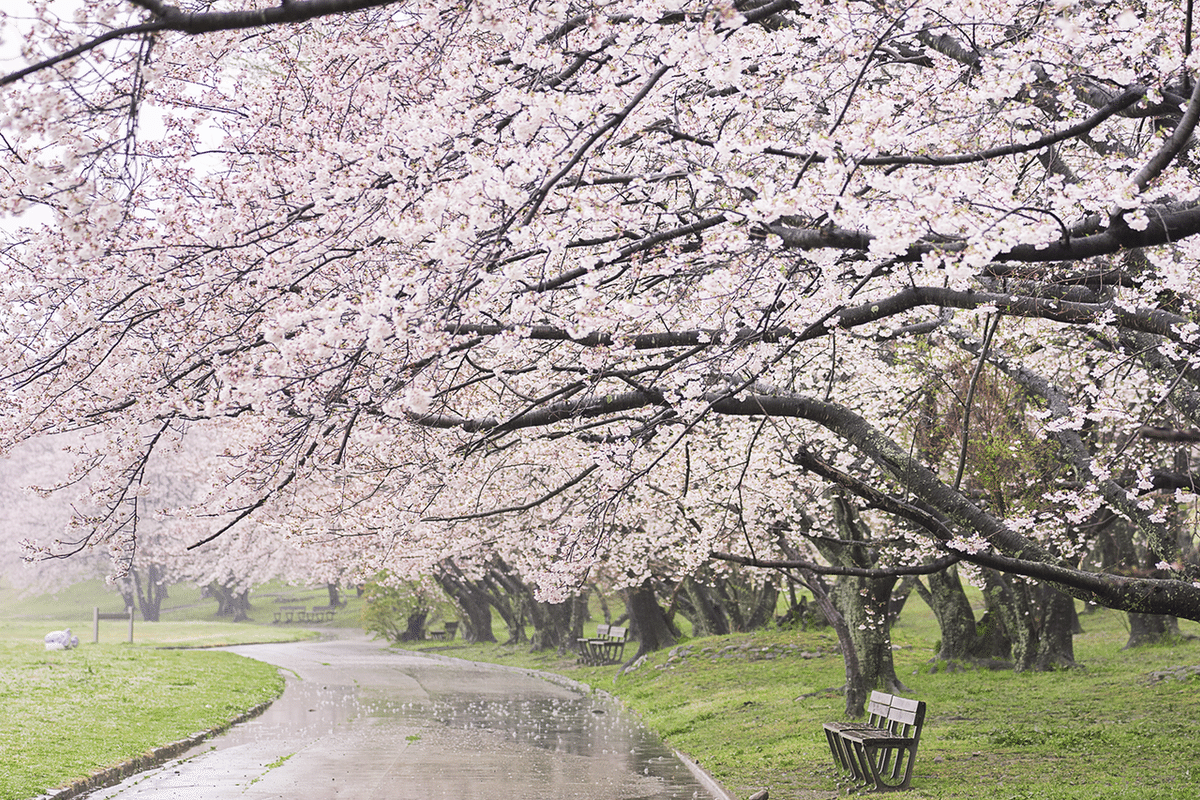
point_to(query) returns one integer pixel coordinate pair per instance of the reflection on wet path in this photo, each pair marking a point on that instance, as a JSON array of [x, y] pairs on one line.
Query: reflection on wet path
[[357, 719]]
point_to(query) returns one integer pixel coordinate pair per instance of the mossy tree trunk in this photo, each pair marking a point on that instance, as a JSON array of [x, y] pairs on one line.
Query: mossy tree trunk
[[963, 637], [1119, 555], [862, 602]]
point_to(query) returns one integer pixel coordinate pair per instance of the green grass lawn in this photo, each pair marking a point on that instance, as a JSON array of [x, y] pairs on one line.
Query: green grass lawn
[[69, 714], [749, 708]]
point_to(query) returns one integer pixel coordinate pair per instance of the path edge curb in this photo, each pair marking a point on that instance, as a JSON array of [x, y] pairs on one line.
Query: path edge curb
[[151, 758]]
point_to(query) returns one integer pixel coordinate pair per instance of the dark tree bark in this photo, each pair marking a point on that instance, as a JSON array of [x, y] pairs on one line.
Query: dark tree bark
[[335, 598], [1039, 621], [1056, 643], [146, 597], [696, 601], [856, 685], [1119, 555], [648, 622], [510, 609], [230, 602], [414, 627], [551, 624], [579, 615], [1147, 629], [963, 638], [471, 600], [862, 602]]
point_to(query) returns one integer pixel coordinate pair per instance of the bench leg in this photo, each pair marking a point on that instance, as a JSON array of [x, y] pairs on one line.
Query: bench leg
[[874, 763], [837, 749]]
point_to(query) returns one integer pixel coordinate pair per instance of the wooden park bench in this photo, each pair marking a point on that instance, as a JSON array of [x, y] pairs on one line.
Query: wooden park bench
[[880, 751], [583, 643], [321, 613], [289, 614], [606, 647], [448, 631]]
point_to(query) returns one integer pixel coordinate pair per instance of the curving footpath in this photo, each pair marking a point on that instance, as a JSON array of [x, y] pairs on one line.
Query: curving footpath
[[358, 720]]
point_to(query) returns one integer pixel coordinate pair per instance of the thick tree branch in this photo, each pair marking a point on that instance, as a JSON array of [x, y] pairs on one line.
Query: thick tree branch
[[1173, 146], [170, 18], [1146, 320], [860, 572], [1143, 595], [1167, 224], [1161, 540]]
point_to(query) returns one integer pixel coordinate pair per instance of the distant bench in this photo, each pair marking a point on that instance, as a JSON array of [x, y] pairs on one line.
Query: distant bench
[[447, 632], [302, 614], [606, 647], [882, 749]]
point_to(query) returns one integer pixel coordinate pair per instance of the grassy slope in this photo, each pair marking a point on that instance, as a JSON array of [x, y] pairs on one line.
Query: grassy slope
[[68, 714], [749, 708]]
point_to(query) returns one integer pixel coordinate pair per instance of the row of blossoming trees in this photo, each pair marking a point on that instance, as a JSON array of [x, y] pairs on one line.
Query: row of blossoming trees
[[862, 289]]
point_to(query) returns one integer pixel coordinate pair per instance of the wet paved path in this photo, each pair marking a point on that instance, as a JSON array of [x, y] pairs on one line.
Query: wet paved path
[[359, 721]]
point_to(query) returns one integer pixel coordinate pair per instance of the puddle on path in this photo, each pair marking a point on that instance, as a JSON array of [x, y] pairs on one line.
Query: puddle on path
[[582, 726], [357, 720], [562, 726]]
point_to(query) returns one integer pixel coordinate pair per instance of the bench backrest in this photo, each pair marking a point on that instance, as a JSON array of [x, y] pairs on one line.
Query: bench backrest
[[616, 633], [877, 709], [906, 717], [602, 631]]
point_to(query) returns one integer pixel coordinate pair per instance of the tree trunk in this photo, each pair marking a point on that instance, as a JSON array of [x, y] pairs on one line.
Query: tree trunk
[[862, 602], [156, 592], [1056, 643], [648, 622], [1119, 554], [703, 609], [472, 602], [1010, 599], [230, 602], [1150, 629], [551, 623], [335, 599], [414, 629], [856, 687], [516, 595], [963, 639], [946, 598], [579, 615]]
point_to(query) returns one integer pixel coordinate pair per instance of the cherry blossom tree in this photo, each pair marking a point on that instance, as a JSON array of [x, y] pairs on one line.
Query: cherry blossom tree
[[603, 286]]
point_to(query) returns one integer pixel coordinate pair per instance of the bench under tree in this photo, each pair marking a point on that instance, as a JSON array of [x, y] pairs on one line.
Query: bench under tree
[[880, 751], [606, 647]]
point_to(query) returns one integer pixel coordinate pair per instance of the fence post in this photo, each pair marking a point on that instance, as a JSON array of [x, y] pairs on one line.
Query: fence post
[[97, 616]]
